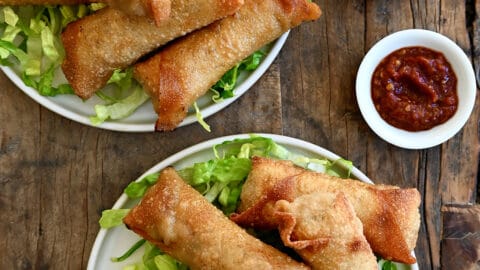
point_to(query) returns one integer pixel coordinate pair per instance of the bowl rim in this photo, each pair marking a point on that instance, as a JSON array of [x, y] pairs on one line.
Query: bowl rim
[[461, 65]]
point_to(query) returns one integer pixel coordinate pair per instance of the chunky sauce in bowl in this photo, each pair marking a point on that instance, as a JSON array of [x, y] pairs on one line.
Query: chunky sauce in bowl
[[415, 88]]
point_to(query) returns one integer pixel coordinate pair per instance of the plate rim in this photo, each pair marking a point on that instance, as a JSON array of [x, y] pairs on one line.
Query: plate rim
[[280, 139], [211, 109]]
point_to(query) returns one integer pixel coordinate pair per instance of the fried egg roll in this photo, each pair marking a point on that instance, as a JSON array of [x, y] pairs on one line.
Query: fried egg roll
[[390, 215], [324, 230], [158, 10], [182, 223], [185, 70], [98, 44]]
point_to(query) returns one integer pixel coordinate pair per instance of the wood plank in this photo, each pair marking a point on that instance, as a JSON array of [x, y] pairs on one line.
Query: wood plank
[[19, 199], [458, 178], [461, 237], [318, 76], [304, 108], [474, 9], [426, 14], [475, 27], [259, 110], [445, 18]]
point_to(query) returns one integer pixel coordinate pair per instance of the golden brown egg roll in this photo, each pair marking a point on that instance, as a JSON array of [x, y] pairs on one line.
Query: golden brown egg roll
[[390, 215], [182, 223], [185, 70], [107, 40], [158, 10], [324, 230]]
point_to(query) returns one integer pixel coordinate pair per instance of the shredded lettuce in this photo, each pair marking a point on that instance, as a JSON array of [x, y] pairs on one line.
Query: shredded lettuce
[[30, 43], [129, 252], [97, 6], [116, 104], [112, 218], [165, 262], [155, 259], [137, 189], [200, 119], [224, 87], [121, 108], [221, 170], [151, 251], [387, 265], [220, 179], [122, 79]]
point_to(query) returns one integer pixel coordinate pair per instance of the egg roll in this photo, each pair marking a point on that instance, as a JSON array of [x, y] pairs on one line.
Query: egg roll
[[184, 70], [390, 215], [158, 10], [109, 39], [182, 223], [324, 230]]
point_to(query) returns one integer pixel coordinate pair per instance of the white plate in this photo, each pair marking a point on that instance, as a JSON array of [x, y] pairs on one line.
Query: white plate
[[142, 120], [114, 242]]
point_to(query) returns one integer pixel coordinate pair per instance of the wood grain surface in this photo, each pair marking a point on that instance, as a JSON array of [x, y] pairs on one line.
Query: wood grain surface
[[56, 176], [461, 237]]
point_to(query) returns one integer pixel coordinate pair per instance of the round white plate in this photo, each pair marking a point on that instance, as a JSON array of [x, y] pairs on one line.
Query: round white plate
[[114, 242], [143, 119]]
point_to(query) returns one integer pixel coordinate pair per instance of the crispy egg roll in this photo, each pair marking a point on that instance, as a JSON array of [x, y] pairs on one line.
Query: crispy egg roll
[[158, 10], [182, 223], [185, 70], [390, 215], [98, 44], [324, 230]]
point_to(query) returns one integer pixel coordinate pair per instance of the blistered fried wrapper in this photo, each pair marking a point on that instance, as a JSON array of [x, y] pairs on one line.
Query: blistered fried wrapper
[[323, 229], [109, 39], [182, 223], [158, 10], [186, 69], [390, 215]]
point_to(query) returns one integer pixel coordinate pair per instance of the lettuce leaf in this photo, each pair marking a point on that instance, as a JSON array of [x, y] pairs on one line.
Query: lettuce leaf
[[200, 119], [121, 108], [130, 251], [155, 259], [137, 189], [224, 87], [165, 262], [112, 218], [122, 96], [387, 265]]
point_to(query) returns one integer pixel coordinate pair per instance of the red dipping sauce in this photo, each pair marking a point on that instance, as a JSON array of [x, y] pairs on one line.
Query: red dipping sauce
[[415, 88]]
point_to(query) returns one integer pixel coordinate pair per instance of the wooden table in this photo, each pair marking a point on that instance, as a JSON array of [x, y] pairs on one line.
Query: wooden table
[[56, 176]]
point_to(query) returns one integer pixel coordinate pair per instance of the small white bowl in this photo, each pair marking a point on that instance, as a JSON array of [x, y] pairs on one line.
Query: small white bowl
[[466, 88]]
